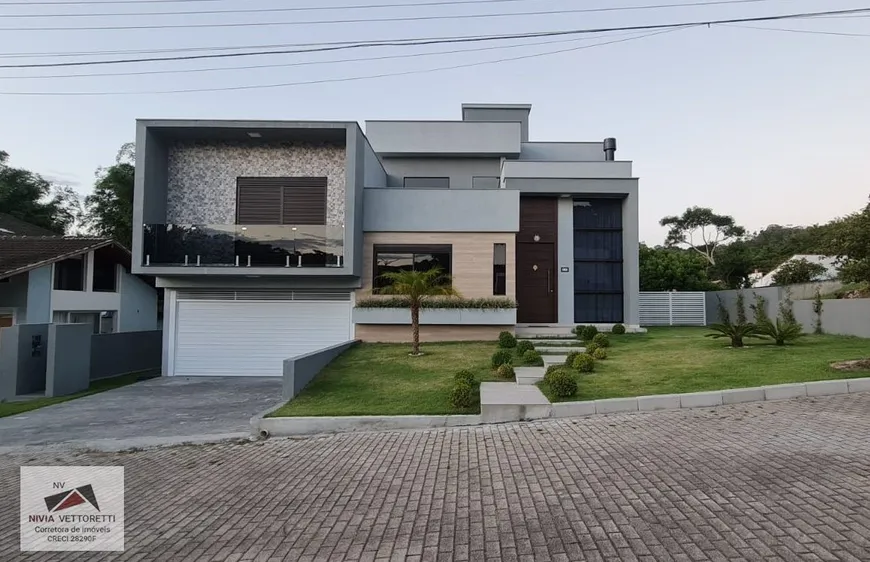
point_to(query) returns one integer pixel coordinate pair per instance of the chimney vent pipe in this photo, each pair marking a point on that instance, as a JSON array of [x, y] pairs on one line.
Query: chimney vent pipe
[[609, 148]]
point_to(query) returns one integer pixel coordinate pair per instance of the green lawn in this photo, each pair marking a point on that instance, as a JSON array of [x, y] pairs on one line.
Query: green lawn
[[675, 360], [381, 379], [13, 408]]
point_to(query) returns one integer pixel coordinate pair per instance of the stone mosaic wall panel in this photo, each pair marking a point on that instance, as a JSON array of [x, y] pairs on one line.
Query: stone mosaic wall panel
[[202, 176]]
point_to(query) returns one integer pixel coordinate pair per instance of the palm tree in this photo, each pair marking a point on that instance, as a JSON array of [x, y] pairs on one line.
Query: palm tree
[[417, 286]]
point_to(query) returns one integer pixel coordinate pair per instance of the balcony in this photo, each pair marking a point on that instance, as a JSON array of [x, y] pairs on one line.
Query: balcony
[[235, 245]]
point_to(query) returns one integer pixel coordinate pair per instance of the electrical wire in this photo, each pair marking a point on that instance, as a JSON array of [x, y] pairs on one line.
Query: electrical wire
[[810, 31], [304, 63], [349, 78], [371, 6], [413, 42], [321, 22]]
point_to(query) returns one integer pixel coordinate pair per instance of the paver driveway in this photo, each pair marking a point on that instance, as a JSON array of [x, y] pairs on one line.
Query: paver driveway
[[161, 410], [770, 481]]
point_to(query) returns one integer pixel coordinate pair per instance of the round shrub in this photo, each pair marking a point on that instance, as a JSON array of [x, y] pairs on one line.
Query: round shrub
[[553, 368], [523, 346], [569, 359], [464, 376], [532, 357], [602, 340], [502, 357], [584, 363], [561, 383], [505, 372], [600, 354], [507, 340], [591, 347], [618, 329], [588, 333], [462, 395], [578, 330]]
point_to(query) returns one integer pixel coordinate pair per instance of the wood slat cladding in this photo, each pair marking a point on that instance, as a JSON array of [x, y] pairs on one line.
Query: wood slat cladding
[[538, 218], [284, 200]]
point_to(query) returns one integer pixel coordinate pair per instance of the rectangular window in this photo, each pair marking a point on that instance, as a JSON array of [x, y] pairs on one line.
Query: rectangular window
[[290, 200], [485, 182], [105, 274], [499, 269], [409, 258], [69, 274], [427, 183]]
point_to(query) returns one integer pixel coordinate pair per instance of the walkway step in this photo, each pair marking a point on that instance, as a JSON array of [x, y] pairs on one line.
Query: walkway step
[[529, 375], [553, 360], [544, 331], [560, 350], [550, 341], [506, 401]]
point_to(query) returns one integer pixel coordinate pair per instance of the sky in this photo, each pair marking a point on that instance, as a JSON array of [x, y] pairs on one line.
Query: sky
[[766, 126]]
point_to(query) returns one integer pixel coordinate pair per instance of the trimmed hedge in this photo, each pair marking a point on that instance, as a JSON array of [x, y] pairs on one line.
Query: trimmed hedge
[[524, 346], [464, 376], [458, 302], [532, 357], [507, 340], [584, 363], [462, 395], [588, 333], [618, 329], [599, 354], [601, 340], [506, 372], [561, 382], [502, 357]]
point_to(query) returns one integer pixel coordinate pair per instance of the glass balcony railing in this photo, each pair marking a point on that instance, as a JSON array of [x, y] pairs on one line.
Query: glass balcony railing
[[236, 245]]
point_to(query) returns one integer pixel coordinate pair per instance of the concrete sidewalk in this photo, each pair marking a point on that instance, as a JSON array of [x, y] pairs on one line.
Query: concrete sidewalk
[[165, 410]]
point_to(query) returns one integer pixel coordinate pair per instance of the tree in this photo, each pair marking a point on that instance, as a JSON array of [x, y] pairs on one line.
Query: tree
[[798, 271], [109, 209], [710, 229], [417, 286], [666, 269], [29, 197], [734, 264], [850, 241]]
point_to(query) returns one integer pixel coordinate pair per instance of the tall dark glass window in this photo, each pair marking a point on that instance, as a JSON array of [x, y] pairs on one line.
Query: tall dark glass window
[[69, 274], [499, 269], [598, 283], [409, 258]]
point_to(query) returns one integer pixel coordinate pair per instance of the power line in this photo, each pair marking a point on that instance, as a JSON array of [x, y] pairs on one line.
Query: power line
[[350, 78], [331, 22], [102, 2], [811, 31], [366, 7], [304, 63], [415, 42]]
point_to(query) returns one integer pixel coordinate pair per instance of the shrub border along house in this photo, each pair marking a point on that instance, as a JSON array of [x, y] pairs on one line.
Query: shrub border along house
[[437, 311]]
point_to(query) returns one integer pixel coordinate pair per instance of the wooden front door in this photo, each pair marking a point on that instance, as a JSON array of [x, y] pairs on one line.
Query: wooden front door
[[536, 261]]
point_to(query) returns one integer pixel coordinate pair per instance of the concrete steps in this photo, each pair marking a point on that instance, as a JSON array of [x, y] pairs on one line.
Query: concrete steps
[[534, 331], [555, 341], [507, 401], [529, 375], [561, 350], [553, 360]]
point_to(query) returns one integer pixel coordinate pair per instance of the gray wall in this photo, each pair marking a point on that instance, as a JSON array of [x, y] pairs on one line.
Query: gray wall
[[846, 317], [138, 305], [441, 210], [126, 352], [808, 290], [499, 114], [459, 170], [13, 294], [729, 299], [565, 257], [40, 282], [444, 138], [149, 186], [22, 359], [563, 151], [300, 370], [68, 361]]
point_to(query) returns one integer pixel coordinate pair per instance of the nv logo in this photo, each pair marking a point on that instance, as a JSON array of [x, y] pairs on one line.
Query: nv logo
[[66, 500]]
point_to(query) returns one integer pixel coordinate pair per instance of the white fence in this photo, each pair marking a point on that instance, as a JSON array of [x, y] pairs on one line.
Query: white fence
[[673, 309]]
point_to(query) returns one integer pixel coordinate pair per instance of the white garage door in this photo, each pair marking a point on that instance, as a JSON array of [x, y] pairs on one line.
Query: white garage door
[[252, 338]]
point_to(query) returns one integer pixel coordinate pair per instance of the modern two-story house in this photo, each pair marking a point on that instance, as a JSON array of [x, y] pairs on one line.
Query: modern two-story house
[[264, 234]]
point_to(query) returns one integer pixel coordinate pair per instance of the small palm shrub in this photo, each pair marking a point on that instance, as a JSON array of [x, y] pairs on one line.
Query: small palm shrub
[[505, 372], [734, 332], [532, 357], [523, 346], [561, 382], [599, 354], [462, 395], [569, 359], [781, 331], [617, 330], [464, 376], [584, 363], [502, 357], [601, 340], [507, 340], [589, 333]]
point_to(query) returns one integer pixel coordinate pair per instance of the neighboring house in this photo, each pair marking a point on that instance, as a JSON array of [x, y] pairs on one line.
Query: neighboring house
[[47, 278], [265, 233], [828, 262]]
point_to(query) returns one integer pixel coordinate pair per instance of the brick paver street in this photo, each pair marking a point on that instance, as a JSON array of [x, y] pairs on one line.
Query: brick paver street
[[770, 481]]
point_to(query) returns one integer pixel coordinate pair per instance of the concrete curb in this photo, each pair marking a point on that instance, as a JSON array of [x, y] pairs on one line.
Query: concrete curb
[[710, 399], [290, 426]]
